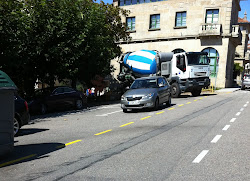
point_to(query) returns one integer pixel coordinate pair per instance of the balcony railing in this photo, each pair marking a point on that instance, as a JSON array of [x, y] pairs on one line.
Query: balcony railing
[[210, 29], [236, 33], [247, 56]]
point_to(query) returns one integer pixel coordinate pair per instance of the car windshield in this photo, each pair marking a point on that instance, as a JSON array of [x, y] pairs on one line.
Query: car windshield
[[147, 83], [197, 59]]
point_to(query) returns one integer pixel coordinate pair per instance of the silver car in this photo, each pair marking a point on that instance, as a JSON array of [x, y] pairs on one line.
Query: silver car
[[245, 81], [147, 92]]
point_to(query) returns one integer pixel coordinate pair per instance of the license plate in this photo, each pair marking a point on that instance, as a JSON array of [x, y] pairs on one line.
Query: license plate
[[133, 102], [201, 83]]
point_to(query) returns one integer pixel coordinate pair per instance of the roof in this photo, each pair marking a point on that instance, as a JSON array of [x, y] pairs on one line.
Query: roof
[[241, 20]]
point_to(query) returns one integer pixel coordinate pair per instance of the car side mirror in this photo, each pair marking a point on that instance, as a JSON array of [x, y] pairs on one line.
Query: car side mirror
[[161, 85]]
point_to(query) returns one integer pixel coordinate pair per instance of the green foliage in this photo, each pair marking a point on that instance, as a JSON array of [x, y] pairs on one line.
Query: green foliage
[[238, 69], [59, 39]]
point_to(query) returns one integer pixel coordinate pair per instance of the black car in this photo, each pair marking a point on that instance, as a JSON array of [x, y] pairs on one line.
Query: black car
[[55, 98], [22, 116]]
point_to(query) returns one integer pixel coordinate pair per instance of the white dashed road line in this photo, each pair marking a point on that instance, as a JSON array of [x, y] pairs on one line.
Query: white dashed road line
[[226, 127], [109, 113], [238, 113], [200, 156], [216, 138], [242, 109], [232, 120], [245, 105]]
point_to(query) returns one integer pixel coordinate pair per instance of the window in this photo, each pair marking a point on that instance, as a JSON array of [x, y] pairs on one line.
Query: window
[[58, 90], [180, 19], [127, 2], [154, 21], [132, 2], [178, 50], [213, 55], [130, 21], [212, 16], [68, 89]]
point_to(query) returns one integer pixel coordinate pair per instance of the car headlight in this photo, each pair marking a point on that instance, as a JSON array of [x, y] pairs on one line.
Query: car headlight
[[149, 96], [122, 98]]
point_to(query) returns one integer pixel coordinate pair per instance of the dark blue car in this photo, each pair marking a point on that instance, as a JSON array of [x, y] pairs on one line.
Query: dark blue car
[[55, 98]]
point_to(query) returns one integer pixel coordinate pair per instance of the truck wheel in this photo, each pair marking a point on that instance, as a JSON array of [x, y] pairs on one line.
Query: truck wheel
[[196, 92], [175, 90]]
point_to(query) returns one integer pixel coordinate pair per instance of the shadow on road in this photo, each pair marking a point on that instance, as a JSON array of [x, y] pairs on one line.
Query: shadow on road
[[25, 153], [27, 131], [90, 106]]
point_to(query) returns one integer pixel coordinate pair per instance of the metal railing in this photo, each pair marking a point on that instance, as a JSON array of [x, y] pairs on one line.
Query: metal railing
[[208, 29]]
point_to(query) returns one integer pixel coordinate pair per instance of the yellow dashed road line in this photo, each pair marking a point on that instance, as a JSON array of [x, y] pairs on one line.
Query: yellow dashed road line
[[17, 160], [195, 100], [171, 108], [181, 105], [160, 112], [145, 117], [61, 146], [104, 132], [201, 98], [72, 142], [126, 124], [188, 102]]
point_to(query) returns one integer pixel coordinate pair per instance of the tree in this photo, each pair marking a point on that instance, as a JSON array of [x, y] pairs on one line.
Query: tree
[[49, 40]]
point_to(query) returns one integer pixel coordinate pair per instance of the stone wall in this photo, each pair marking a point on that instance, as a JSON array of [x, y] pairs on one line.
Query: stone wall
[[169, 37]]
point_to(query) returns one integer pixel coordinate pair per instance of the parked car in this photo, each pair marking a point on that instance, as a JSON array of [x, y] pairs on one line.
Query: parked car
[[147, 92], [60, 97], [22, 116], [245, 81]]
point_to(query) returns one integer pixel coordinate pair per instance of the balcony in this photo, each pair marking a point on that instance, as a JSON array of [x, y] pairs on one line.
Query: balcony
[[236, 34], [247, 56], [210, 29]]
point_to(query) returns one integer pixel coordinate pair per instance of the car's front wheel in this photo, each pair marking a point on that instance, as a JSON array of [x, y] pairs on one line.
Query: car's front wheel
[[169, 101], [125, 110], [16, 126], [79, 104], [156, 104]]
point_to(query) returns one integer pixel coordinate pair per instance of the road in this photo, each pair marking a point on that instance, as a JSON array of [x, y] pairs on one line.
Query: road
[[197, 138]]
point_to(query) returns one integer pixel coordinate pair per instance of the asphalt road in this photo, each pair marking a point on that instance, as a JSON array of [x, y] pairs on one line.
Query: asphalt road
[[197, 138]]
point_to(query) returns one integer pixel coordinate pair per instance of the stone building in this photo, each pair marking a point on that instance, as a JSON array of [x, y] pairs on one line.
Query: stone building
[[242, 56], [186, 25]]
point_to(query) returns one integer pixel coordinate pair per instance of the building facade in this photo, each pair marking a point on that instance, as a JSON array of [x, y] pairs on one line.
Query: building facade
[[186, 25], [242, 56]]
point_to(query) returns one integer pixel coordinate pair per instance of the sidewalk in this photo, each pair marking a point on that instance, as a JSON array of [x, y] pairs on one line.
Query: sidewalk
[[225, 90]]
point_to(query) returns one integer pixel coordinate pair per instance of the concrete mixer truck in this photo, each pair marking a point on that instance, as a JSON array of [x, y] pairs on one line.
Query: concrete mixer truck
[[186, 71]]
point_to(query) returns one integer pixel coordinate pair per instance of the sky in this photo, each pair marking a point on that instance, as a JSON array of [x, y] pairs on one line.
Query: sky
[[245, 6]]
